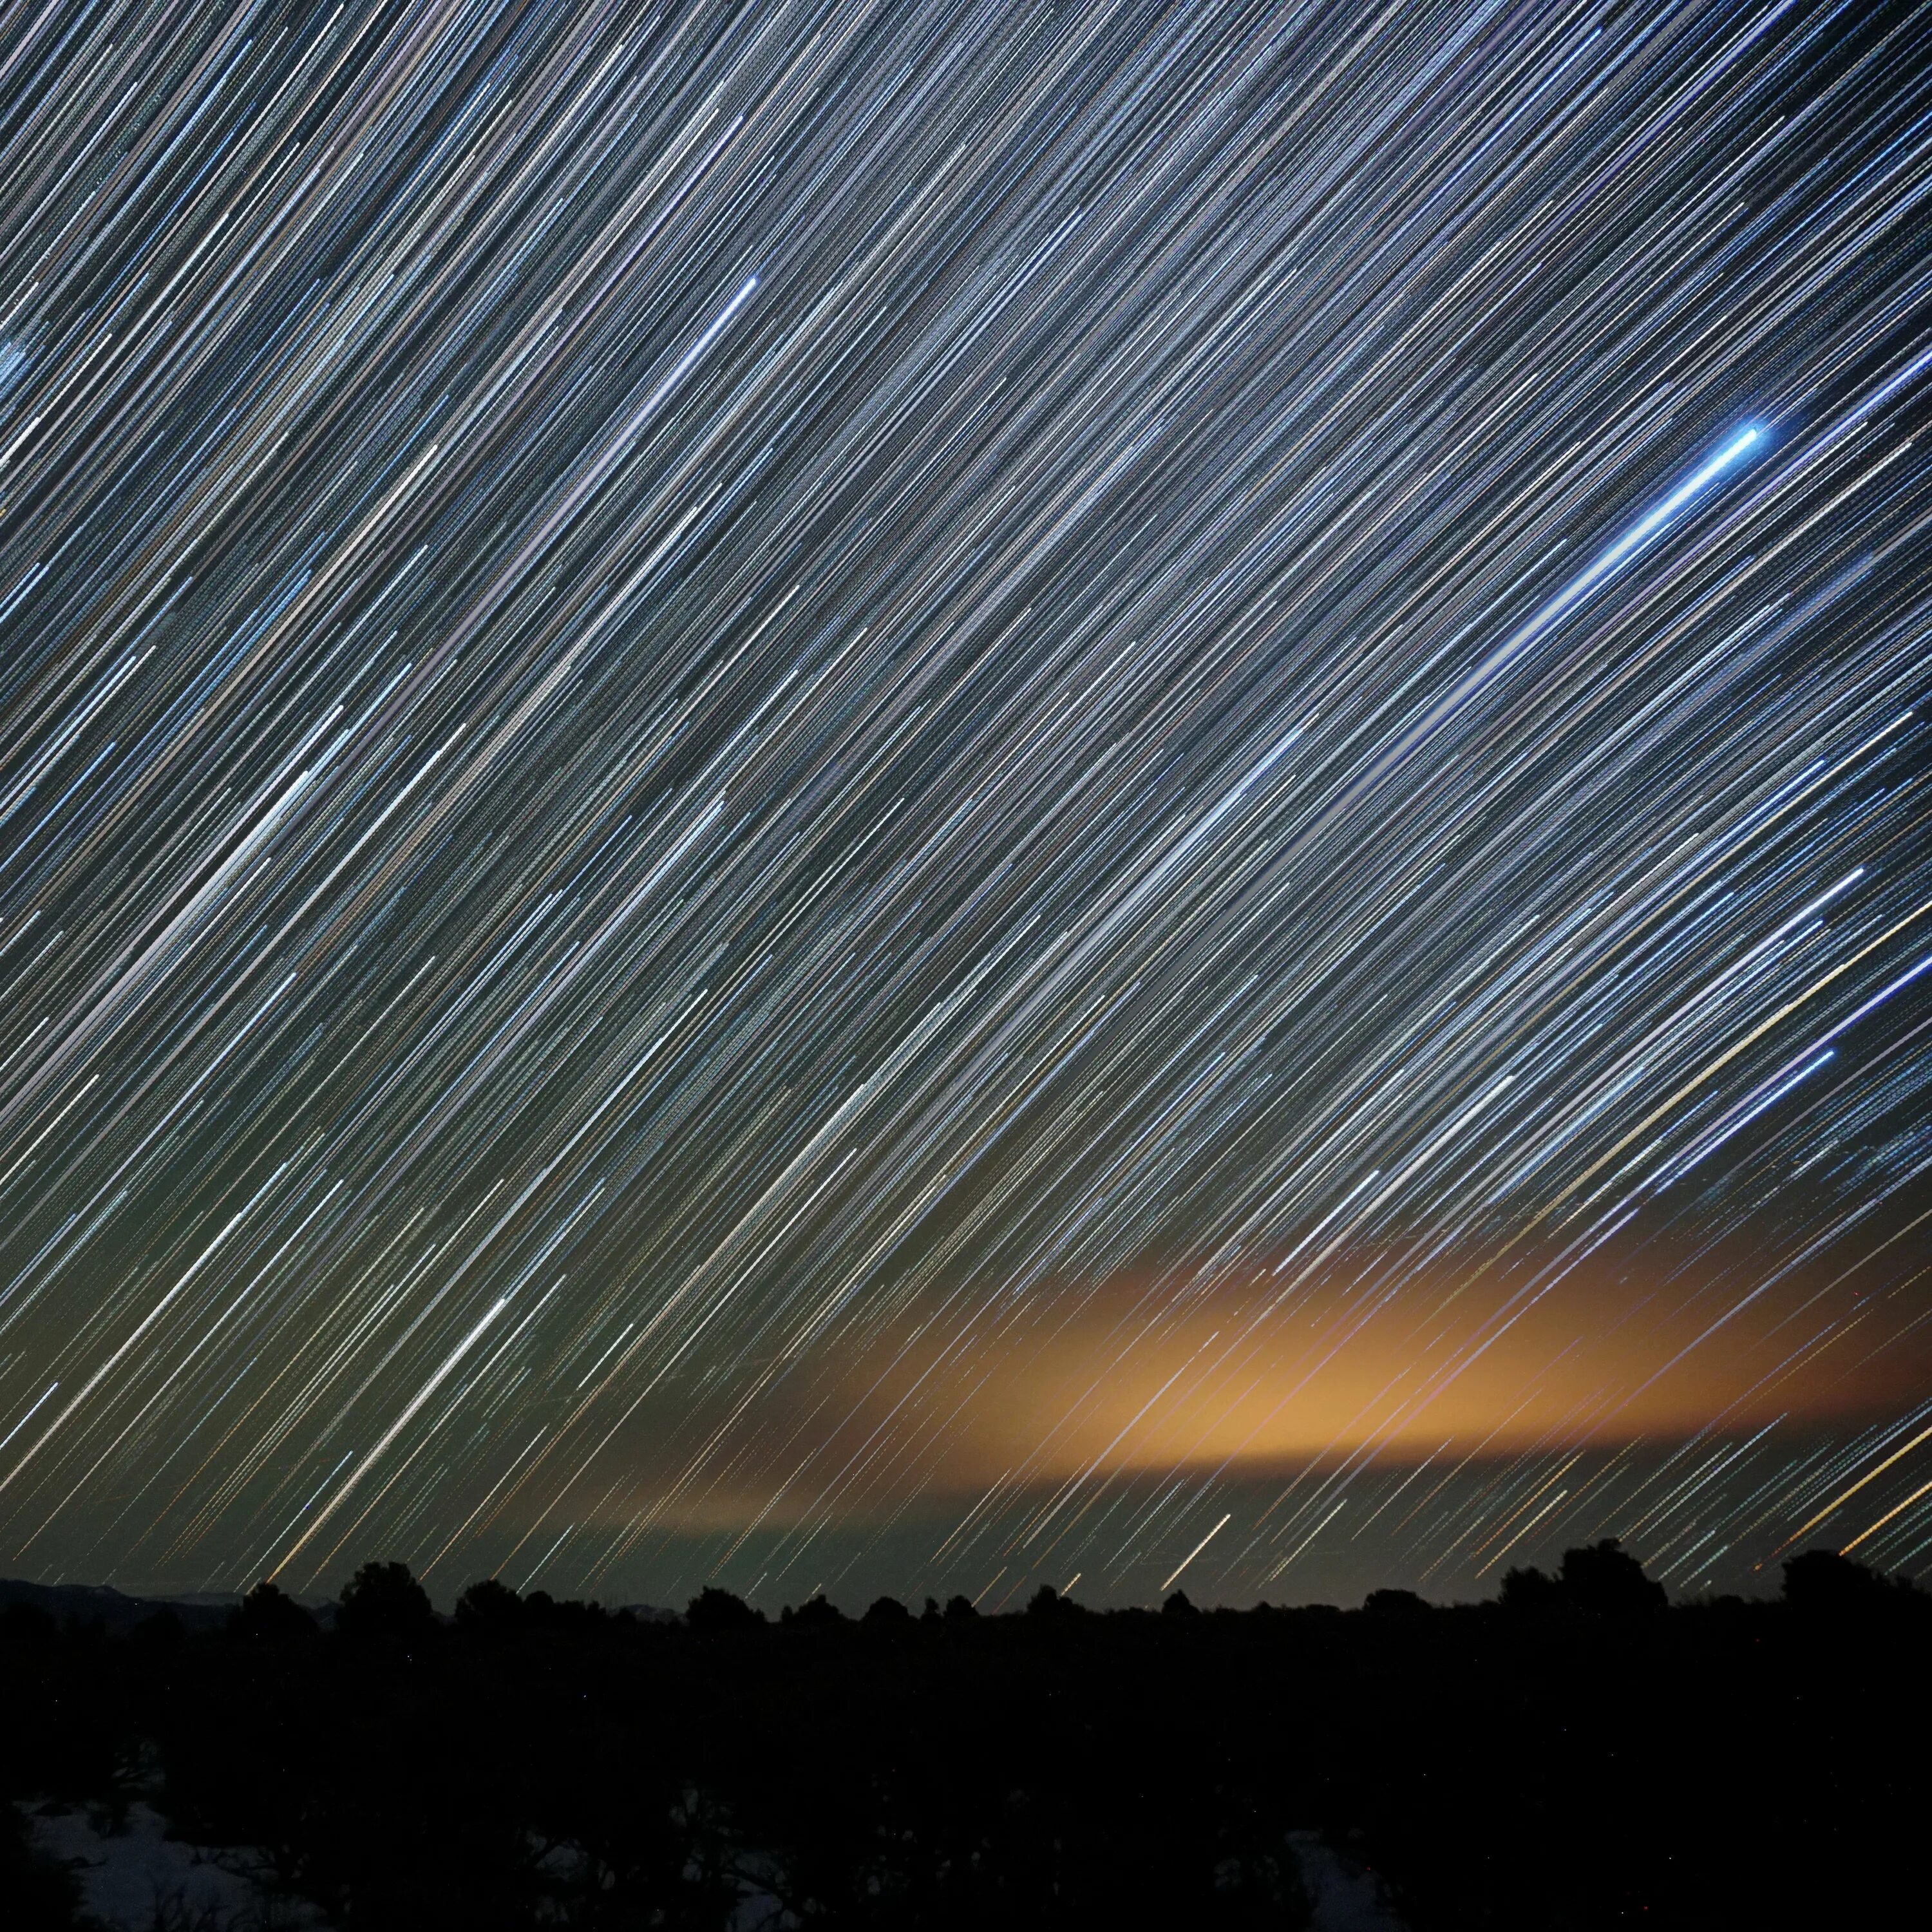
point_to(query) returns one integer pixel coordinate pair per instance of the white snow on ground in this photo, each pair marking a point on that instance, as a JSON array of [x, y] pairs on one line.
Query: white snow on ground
[[1346, 1898], [141, 1880]]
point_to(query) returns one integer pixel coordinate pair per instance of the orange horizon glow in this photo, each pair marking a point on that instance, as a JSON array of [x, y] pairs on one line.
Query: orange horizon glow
[[1134, 1378]]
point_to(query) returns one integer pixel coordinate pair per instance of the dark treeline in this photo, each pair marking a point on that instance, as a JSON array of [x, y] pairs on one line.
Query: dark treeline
[[1578, 1754]]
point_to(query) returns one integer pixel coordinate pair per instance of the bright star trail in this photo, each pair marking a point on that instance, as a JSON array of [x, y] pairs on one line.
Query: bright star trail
[[915, 797]]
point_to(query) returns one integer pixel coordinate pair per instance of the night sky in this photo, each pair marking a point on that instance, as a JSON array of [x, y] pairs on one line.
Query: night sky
[[921, 797]]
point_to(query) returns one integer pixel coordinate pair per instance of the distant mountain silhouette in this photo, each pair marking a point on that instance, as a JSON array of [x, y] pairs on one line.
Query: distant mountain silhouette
[[118, 1613]]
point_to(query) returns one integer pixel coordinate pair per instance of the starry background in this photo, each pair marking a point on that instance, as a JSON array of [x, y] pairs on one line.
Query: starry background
[[922, 796]]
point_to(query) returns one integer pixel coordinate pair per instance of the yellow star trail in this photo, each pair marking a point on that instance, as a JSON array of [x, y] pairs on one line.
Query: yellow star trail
[[918, 796]]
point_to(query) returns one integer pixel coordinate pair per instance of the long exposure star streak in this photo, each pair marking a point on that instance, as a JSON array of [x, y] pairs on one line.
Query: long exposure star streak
[[910, 796]]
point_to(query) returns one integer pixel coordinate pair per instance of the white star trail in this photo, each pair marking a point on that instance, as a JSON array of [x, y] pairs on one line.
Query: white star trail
[[912, 793]]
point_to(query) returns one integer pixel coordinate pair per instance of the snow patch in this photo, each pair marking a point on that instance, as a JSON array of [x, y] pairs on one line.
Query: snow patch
[[138, 1879]]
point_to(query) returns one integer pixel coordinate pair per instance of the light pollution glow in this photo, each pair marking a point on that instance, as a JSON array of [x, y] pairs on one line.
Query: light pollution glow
[[917, 796]]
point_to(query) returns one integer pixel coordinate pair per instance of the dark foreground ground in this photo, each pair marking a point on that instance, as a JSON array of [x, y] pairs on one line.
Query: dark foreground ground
[[1578, 1756]]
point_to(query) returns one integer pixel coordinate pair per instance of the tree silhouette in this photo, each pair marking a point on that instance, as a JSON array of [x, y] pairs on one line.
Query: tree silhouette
[[1179, 1605], [267, 1615], [716, 1613], [1530, 1589], [814, 1613], [489, 1605], [384, 1599], [1046, 1601], [1821, 1579], [1394, 1604], [1606, 1579]]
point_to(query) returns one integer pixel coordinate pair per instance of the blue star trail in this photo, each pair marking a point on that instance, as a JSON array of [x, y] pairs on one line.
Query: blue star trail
[[918, 796]]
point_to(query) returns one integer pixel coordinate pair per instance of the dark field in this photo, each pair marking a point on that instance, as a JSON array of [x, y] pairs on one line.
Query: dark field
[[1577, 1755]]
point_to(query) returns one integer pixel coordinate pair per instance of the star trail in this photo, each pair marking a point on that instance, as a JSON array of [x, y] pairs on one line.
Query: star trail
[[922, 796]]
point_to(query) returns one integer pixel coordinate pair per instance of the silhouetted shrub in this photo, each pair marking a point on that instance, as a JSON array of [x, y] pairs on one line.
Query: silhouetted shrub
[[814, 1613], [489, 1605], [1821, 1579], [542, 1611], [1606, 1580], [1179, 1605], [1394, 1604], [384, 1599], [267, 1615], [716, 1613], [1046, 1601], [1530, 1589]]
